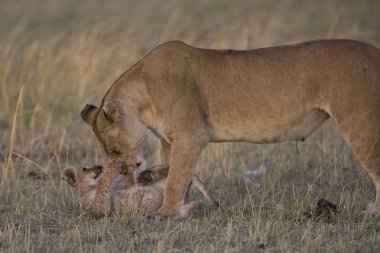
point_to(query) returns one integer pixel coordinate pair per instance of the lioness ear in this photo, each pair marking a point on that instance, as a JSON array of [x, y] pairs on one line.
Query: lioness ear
[[68, 174], [112, 112], [88, 113]]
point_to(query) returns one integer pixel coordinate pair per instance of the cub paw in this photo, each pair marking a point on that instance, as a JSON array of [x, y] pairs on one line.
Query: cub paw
[[115, 164], [186, 211], [145, 177]]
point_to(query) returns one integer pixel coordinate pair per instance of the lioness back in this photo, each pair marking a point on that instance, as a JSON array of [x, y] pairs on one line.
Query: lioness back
[[262, 95]]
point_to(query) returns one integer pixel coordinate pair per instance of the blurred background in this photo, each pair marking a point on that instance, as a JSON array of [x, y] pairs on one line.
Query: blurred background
[[56, 56]]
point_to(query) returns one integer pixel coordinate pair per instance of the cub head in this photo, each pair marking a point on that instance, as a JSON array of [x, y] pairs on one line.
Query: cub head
[[121, 137], [83, 179]]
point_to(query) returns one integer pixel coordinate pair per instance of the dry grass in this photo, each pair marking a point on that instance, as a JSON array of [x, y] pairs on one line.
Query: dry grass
[[56, 56]]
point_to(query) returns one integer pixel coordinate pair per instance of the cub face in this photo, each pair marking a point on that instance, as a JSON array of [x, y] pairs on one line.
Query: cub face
[[120, 136], [83, 179]]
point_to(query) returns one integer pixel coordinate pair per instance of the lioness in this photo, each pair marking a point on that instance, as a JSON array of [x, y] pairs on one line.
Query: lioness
[[189, 96], [103, 190]]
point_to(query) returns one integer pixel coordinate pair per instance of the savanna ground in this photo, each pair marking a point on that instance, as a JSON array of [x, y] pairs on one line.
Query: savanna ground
[[56, 56]]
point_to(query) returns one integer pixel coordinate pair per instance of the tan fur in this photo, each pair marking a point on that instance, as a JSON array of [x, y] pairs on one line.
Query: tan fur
[[102, 192], [189, 96]]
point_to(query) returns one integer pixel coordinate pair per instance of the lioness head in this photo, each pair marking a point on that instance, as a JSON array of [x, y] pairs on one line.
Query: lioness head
[[120, 136]]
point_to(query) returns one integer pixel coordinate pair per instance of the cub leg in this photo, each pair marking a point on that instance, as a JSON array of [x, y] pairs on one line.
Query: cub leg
[[153, 174], [202, 188], [101, 205], [159, 172], [186, 210]]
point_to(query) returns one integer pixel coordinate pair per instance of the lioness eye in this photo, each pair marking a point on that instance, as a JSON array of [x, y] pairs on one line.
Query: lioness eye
[[115, 152]]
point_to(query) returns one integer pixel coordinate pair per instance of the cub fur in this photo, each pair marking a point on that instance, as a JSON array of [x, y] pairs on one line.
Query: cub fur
[[104, 190]]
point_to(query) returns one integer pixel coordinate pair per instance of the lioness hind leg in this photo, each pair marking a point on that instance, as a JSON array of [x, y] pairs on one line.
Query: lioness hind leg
[[372, 164], [363, 137]]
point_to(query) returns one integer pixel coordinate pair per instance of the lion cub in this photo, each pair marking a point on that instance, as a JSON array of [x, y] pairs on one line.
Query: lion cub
[[104, 190]]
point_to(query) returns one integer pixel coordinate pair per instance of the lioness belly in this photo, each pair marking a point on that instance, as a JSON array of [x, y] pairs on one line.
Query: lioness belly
[[288, 128]]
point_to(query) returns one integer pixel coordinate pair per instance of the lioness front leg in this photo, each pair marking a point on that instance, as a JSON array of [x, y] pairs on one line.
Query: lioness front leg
[[184, 158], [165, 152]]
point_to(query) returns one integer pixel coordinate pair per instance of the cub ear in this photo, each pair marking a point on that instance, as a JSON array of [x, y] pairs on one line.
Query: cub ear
[[88, 113], [68, 174], [112, 112]]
